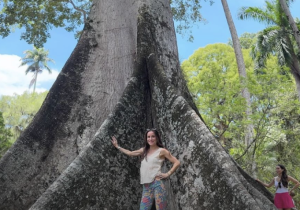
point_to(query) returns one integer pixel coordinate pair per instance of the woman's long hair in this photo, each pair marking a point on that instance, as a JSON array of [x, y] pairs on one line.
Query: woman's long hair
[[147, 146], [284, 176]]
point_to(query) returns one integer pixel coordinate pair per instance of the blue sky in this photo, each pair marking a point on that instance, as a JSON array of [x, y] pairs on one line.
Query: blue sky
[[62, 43]]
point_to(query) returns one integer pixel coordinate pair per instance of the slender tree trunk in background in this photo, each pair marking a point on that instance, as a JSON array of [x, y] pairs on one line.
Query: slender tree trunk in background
[[295, 67], [243, 78], [35, 80], [290, 18], [153, 95]]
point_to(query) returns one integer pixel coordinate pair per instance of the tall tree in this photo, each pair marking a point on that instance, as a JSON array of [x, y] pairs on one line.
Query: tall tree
[[243, 79], [213, 80], [211, 71], [122, 77], [285, 8], [38, 59], [275, 38]]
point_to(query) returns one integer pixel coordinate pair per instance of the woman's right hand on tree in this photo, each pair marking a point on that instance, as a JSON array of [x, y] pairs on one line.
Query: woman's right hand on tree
[[114, 141]]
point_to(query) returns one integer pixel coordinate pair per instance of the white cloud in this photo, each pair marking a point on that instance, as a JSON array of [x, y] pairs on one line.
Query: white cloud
[[13, 78]]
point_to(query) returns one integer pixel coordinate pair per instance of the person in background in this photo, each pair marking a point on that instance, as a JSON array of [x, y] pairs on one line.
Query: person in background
[[292, 194], [283, 199], [153, 155]]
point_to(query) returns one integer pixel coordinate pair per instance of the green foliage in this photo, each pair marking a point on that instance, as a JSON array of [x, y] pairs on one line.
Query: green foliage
[[213, 80], [278, 142], [270, 89], [37, 17], [186, 13], [276, 38], [247, 40], [5, 136], [19, 110]]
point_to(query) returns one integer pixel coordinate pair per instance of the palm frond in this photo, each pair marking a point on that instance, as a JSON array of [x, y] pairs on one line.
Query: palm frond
[[271, 41], [38, 60], [25, 61], [284, 55], [257, 14], [31, 68], [49, 70]]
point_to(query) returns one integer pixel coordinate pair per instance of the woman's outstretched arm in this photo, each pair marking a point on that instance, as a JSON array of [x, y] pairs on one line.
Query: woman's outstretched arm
[[125, 151], [266, 185]]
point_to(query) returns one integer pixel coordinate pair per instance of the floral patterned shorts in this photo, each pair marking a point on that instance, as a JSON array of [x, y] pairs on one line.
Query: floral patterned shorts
[[155, 190]]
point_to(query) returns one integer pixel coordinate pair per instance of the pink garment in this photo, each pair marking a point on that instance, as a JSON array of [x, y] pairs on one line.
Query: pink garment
[[283, 200]]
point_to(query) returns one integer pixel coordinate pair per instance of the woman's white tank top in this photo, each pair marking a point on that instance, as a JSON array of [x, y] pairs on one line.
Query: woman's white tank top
[[281, 189], [151, 167]]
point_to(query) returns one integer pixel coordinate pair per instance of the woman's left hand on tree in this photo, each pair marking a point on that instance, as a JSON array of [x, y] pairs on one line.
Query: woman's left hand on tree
[[162, 176]]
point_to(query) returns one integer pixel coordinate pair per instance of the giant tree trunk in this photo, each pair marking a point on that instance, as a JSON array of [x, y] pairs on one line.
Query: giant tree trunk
[[85, 92], [243, 77], [290, 18], [65, 156]]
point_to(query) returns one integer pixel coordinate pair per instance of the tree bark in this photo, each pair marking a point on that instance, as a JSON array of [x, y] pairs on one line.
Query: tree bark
[[290, 18], [35, 80], [155, 95], [243, 77], [295, 69], [294, 65], [85, 92]]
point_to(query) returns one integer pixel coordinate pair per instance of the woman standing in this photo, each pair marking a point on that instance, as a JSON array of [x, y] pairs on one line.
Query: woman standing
[[153, 155], [282, 199]]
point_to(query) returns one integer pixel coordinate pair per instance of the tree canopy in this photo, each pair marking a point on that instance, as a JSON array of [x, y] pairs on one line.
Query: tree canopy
[[38, 17], [212, 77], [247, 40], [276, 39]]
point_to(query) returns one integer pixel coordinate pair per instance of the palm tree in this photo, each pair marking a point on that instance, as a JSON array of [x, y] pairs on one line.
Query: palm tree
[[285, 8], [275, 39], [243, 76], [38, 60]]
